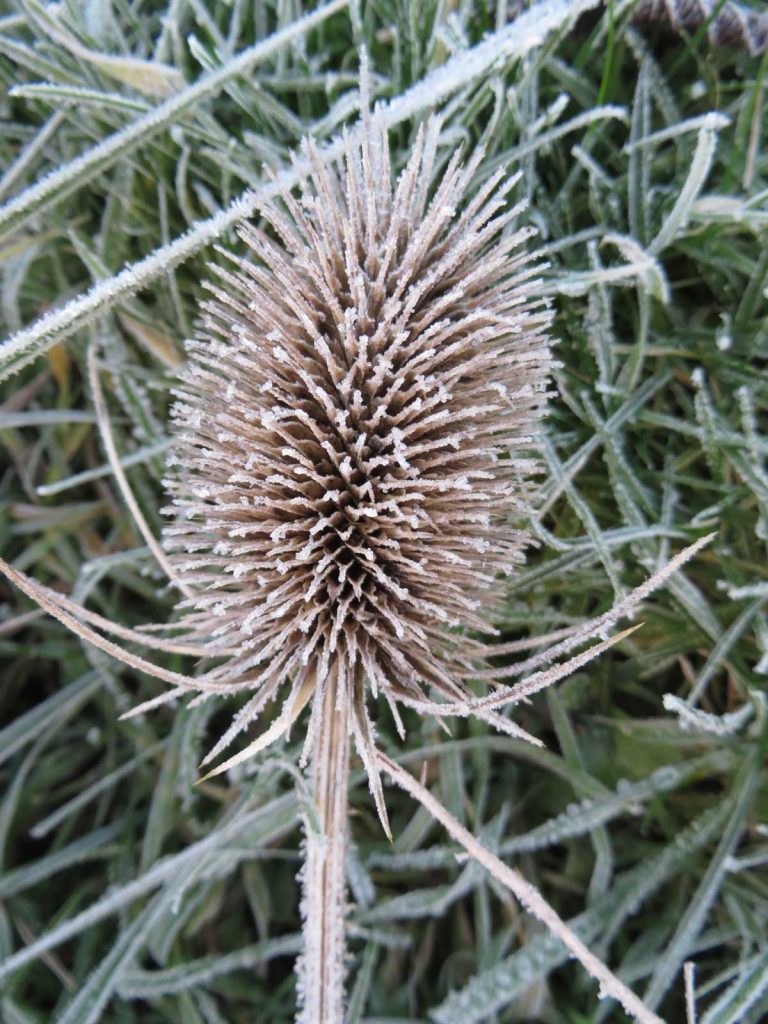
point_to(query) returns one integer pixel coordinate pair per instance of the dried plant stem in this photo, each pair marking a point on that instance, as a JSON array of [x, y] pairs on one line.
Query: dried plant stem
[[526, 893], [34, 589], [110, 448], [321, 965]]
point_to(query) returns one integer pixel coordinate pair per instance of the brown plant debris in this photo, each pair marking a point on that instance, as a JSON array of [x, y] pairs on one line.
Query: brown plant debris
[[728, 24]]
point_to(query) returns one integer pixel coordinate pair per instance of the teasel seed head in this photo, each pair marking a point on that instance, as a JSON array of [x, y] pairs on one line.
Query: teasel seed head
[[351, 465]]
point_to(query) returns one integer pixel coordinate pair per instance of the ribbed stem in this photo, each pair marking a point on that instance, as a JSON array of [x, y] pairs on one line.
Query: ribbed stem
[[321, 966]]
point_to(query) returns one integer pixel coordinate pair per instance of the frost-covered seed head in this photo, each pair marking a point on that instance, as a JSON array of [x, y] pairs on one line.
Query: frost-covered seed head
[[349, 473]]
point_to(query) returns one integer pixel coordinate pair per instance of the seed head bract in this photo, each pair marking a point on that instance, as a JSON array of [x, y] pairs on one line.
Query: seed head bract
[[350, 471]]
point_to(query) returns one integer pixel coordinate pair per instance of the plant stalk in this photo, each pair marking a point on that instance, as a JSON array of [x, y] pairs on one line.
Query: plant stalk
[[321, 966]]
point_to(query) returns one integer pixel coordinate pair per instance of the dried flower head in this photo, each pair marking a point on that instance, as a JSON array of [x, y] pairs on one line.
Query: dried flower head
[[348, 476]]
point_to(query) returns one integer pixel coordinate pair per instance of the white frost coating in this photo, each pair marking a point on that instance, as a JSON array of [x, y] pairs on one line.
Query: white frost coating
[[376, 511], [750, 590], [83, 168], [694, 718], [108, 441], [525, 33], [713, 119], [359, 538], [589, 117], [135, 458], [579, 819], [165, 871], [700, 165], [30, 152], [641, 266]]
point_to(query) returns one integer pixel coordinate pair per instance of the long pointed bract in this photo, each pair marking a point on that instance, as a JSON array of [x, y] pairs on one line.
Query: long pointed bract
[[526, 893]]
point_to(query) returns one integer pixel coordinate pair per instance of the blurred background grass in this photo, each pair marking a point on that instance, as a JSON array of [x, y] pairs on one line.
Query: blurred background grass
[[138, 898]]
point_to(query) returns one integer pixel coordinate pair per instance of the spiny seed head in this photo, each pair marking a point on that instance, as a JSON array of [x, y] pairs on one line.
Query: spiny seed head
[[349, 473]]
